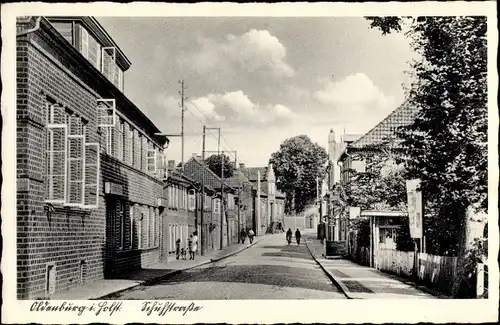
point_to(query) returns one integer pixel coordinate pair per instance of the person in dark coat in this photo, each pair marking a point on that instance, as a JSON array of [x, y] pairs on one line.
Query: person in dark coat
[[243, 236], [297, 236], [289, 236]]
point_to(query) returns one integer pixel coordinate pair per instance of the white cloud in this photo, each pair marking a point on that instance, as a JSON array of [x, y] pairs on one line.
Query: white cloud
[[236, 109], [357, 102], [253, 51]]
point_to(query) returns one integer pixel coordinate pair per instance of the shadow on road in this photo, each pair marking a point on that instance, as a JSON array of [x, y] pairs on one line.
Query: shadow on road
[[277, 275]]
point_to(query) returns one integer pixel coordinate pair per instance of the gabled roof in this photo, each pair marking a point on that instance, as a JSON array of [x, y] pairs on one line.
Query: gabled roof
[[386, 129], [193, 169], [237, 179], [252, 172]]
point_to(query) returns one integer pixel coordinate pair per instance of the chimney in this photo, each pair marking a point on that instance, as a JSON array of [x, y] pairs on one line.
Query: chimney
[[242, 165], [171, 165]]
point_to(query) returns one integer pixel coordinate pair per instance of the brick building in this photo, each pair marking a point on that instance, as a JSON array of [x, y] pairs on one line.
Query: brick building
[[89, 165], [179, 219], [212, 222], [244, 197]]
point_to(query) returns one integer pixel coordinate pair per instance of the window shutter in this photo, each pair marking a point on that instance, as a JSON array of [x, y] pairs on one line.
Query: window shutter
[[76, 162], [85, 42], [159, 163], [106, 112], [92, 171], [144, 158], [108, 62], [119, 141], [56, 160]]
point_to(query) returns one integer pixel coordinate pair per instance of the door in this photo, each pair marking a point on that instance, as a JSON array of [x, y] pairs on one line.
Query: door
[[111, 234]]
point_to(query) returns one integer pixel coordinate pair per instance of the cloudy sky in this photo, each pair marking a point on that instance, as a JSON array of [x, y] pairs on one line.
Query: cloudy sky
[[261, 80]]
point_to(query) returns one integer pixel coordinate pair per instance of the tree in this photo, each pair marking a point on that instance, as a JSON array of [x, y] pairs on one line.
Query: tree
[[214, 163], [446, 146], [297, 165]]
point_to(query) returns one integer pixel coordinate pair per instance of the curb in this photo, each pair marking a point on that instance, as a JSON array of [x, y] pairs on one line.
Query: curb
[[166, 275], [212, 260], [332, 278]]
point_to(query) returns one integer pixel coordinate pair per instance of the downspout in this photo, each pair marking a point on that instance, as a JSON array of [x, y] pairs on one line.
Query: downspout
[[31, 30]]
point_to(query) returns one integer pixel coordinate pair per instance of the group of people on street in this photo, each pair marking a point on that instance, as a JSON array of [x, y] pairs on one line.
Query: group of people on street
[[181, 253], [244, 234], [192, 247], [289, 236]]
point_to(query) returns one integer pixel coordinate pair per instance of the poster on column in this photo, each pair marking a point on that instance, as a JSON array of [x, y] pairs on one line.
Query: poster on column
[[414, 207]]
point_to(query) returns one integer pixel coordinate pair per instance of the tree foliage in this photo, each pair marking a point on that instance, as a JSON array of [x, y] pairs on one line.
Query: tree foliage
[[214, 163], [446, 146], [297, 164]]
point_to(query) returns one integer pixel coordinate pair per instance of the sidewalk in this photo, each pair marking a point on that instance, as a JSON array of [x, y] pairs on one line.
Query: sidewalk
[[105, 287], [361, 282]]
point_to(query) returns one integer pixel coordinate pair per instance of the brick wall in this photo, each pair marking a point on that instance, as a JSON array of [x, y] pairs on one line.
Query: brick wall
[[76, 241]]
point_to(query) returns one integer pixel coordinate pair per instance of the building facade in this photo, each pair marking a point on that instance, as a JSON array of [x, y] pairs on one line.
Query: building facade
[[89, 165], [221, 225], [269, 202], [179, 220], [244, 199], [381, 140]]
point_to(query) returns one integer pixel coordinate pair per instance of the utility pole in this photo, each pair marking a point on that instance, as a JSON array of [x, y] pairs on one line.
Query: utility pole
[[183, 98], [202, 208], [239, 204], [222, 210]]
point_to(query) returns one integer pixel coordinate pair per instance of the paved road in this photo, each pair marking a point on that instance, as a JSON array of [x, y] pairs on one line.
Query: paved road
[[269, 270]]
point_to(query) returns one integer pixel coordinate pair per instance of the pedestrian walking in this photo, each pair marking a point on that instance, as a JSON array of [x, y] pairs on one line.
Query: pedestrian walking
[[289, 236], [243, 236], [297, 236], [251, 234], [177, 248], [194, 244], [190, 247]]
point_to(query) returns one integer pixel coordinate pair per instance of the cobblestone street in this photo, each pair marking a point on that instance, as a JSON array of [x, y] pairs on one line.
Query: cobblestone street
[[269, 270]]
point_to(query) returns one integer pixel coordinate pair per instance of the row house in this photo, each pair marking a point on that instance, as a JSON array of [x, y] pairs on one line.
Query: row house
[[179, 218], [269, 202], [219, 222], [89, 163], [244, 199]]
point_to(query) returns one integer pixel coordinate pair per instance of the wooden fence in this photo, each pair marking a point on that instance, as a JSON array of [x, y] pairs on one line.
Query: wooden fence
[[396, 262], [437, 271], [433, 271]]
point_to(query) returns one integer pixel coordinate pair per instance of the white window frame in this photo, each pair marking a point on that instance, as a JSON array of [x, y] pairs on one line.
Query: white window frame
[[65, 188], [96, 205], [105, 110], [151, 155], [70, 137], [85, 42]]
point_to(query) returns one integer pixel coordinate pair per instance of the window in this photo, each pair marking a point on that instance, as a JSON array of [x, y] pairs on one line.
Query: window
[[192, 200], [69, 180], [94, 52], [151, 160], [120, 217], [108, 62], [65, 29], [84, 44], [108, 133], [106, 112], [152, 227]]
